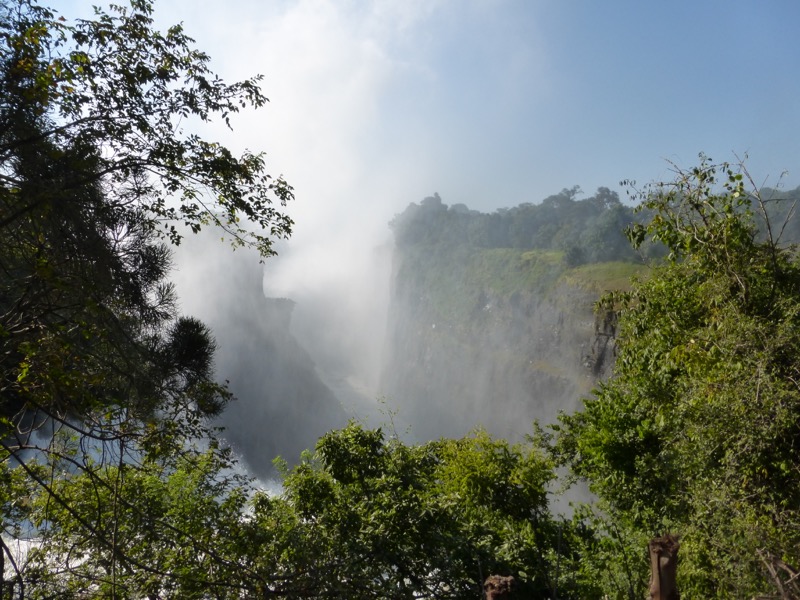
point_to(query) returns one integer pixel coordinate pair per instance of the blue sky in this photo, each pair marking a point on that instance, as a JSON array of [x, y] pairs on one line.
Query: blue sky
[[375, 104], [496, 102]]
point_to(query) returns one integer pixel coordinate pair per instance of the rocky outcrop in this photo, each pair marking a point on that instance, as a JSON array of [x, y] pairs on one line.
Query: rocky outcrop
[[282, 405]]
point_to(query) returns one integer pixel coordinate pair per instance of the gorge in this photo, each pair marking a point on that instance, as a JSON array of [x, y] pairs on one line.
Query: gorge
[[453, 332]]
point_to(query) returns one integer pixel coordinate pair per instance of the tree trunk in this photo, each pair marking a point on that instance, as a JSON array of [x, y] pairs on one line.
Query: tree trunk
[[498, 587], [663, 565]]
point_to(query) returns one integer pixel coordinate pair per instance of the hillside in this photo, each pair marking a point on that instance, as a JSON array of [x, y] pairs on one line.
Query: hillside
[[492, 336]]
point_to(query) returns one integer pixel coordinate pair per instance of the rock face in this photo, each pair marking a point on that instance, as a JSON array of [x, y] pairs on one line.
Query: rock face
[[282, 406], [492, 340]]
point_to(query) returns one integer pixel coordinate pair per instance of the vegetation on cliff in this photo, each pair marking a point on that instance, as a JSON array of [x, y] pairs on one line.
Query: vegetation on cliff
[[501, 334], [583, 231]]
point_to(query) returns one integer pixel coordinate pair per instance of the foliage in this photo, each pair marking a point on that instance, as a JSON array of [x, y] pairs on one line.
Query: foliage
[[369, 516], [104, 388], [697, 431], [364, 516], [589, 230], [122, 93], [134, 531]]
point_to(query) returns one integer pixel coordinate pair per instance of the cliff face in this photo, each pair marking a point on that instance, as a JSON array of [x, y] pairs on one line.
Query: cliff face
[[282, 405], [491, 337], [476, 335]]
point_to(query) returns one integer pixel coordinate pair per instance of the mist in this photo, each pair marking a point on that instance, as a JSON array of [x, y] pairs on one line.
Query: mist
[[300, 344], [376, 105]]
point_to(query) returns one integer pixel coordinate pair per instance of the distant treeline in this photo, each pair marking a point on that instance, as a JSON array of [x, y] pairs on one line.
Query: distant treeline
[[587, 230]]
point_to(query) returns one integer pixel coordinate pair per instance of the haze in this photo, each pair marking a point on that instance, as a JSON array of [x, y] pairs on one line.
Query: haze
[[375, 104]]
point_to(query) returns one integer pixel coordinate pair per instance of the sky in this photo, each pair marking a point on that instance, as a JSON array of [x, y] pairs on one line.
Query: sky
[[378, 103], [375, 104]]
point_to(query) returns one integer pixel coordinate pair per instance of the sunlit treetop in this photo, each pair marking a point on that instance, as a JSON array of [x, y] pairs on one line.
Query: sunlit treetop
[[117, 85]]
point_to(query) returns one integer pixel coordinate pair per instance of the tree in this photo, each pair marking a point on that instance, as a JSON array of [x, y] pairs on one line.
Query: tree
[[142, 531], [364, 516], [103, 386], [697, 431], [369, 516], [116, 83]]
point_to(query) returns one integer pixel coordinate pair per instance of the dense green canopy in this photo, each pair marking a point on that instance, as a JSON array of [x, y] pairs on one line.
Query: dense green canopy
[[698, 431]]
